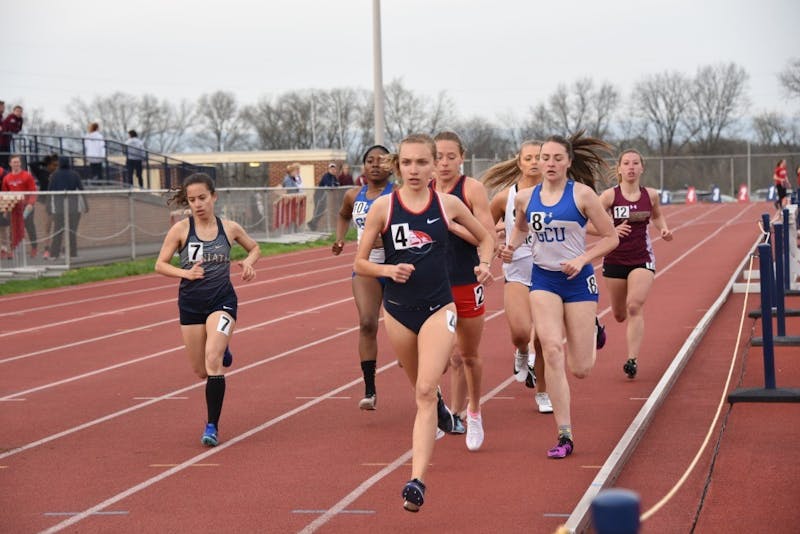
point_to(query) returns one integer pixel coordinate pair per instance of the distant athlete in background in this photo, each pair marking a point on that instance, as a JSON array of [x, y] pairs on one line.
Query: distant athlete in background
[[511, 177], [206, 298], [468, 293], [367, 290]]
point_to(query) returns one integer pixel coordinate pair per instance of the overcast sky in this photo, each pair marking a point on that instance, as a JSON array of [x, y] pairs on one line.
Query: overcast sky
[[492, 57]]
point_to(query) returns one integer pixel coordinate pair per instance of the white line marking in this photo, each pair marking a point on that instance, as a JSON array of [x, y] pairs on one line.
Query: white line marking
[[167, 351], [161, 323]]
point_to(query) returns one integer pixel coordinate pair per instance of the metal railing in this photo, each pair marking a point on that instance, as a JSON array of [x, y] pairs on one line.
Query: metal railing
[[158, 170], [123, 224]]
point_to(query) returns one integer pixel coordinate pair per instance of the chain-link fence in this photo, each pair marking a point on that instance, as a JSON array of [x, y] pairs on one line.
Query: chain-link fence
[[676, 173], [101, 226]]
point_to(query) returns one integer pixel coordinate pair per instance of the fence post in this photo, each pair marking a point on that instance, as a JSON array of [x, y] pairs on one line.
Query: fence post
[[132, 222], [733, 186]]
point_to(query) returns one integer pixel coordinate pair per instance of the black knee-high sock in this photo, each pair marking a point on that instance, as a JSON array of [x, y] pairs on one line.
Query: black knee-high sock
[[368, 368], [215, 393]]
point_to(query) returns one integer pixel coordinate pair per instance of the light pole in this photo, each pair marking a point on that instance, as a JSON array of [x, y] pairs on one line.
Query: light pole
[[377, 73]]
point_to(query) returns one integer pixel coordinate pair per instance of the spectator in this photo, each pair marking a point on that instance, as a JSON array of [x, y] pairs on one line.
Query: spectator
[[328, 179], [41, 172], [135, 153], [16, 181], [362, 178], [11, 125], [4, 222], [292, 180], [346, 177], [94, 147], [65, 179]]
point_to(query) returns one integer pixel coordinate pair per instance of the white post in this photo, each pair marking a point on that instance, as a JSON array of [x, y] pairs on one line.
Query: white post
[[377, 69]]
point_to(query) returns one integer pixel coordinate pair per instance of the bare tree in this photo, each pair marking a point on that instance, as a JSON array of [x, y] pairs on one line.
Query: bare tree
[[719, 99], [775, 130], [221, 126], [166, 126], [337, 111], [407, 113], [116, 114], [580, 106], [790, 78], [661, 101], [483, 139]]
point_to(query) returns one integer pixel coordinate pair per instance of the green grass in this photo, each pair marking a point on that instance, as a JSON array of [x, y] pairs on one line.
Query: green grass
[[96, 273]]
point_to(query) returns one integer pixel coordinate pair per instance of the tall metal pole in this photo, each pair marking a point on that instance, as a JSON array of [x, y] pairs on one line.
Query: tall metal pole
[[377, 73]]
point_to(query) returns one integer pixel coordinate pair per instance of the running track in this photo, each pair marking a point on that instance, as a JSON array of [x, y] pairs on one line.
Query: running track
[[102, 416]]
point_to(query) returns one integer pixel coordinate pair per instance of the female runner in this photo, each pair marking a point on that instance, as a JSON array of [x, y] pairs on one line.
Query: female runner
[[414, 223], [206, 298]]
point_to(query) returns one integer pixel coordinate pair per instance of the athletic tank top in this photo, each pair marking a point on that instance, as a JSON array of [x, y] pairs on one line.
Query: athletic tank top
[[463, 256], [361, 206], [216, 264], [421, 240], [635, 248], [510, 219], [559, 231]]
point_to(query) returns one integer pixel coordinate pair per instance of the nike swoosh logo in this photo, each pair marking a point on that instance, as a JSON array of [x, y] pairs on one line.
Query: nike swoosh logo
[[434, 308], [431, 221], [227, 308]]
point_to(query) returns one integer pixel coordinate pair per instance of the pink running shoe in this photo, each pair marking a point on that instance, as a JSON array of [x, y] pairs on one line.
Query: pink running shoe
[[562, 450]]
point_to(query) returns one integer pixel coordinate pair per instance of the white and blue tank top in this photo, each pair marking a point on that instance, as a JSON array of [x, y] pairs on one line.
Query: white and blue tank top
[[361, 206], [559, 231]]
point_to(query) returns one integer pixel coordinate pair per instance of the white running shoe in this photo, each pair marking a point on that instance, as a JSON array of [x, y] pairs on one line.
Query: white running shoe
[[543, 402], [474, 432], [520, 366], [370, 402]]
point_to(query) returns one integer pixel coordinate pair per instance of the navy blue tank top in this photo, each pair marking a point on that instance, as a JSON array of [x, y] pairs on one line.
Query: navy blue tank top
[[463, 256], [420, 239], [216, 255]]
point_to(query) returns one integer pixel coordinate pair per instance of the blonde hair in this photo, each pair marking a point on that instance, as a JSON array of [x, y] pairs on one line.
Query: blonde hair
[[292, 167], [503, 174]]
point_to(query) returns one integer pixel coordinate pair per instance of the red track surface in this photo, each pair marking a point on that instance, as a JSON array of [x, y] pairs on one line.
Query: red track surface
[[102, 417]]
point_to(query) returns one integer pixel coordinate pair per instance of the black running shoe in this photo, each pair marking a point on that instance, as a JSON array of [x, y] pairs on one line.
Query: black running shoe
[[413, 495], [443, 414], [630, 368], [227, 358], [530, 380], [601, 334]]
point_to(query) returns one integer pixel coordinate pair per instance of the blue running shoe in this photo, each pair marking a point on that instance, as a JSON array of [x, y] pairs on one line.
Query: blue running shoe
[[209, 438], [458, 425], [227, 358], [413, 495]]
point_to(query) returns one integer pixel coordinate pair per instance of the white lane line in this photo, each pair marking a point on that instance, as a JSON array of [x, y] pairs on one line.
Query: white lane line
[[95, 315], [167, 351], [211, 452], [137, 279], [160, 323], [383, 473], [178, 392]]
